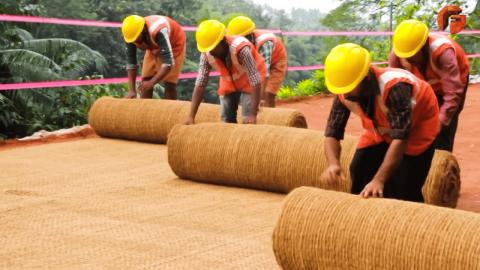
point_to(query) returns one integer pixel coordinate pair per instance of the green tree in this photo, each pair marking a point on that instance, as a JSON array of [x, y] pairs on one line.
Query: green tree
[[24, 59]]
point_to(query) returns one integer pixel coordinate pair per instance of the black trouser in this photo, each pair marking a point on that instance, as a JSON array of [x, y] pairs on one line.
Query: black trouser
[[406, 182], [446, 136]]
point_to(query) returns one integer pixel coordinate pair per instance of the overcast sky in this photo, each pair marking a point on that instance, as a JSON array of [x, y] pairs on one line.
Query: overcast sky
[[323, 5]]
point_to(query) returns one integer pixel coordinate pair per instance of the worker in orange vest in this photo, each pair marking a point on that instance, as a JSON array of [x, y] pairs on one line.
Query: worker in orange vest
[[440, 61], [272, 50], [399, 114], [163, 41], [242, 72]]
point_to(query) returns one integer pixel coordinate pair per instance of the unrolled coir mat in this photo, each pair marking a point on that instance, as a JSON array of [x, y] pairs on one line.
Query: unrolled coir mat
[[112, 204]]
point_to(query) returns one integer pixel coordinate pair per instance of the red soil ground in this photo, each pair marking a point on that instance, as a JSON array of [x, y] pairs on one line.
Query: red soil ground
[[467, 142]]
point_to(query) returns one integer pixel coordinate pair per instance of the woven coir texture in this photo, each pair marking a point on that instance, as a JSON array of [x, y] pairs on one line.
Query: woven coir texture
[[150, 120], [280, 159], [112, 204], [442, 186], [320, 229]]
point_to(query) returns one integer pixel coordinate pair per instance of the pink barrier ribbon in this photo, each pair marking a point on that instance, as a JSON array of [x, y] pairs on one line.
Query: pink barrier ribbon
[[36, 19], [476, 55], [190, 75], [66, 83]]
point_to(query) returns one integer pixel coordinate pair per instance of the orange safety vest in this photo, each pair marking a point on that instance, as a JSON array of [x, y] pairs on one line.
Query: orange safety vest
[[155, 24], [424, 125], [236, 77], [437, 45], [279, 52]]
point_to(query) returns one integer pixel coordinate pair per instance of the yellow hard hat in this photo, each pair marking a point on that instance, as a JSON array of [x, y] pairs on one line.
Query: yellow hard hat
[[345, 67], [240, 25], [409, 37], [209, 34], [132, 27]]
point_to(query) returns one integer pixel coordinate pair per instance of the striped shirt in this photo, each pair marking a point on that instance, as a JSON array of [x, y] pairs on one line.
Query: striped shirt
[[245, 58], [452, 86], [399, 112], [266, 51]]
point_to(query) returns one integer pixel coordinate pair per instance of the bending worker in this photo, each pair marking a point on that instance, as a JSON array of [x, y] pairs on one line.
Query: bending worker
[[399, 114], [440, 61], [163, 41], [241, 68], [270, 48]]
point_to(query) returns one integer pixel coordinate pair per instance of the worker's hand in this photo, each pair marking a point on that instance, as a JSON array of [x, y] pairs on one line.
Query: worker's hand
[[131, 95], [190, 121], [373, 189], [252, 119], [146, 86], [333, 175]]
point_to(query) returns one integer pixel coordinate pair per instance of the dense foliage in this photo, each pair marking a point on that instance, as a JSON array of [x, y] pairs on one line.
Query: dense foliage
[[39, 52]]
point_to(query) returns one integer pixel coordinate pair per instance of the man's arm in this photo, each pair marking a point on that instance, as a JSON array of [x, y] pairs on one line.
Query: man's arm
[[266, 51], [132, 66], [452, 86], [392, 160], [200, 84], [399, 102], [337, 120], [166, 55], [246, 59]]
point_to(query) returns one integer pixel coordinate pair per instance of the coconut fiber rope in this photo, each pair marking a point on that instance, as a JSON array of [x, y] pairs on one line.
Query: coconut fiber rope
[[150, 120], [280, 159], [321, 229]]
